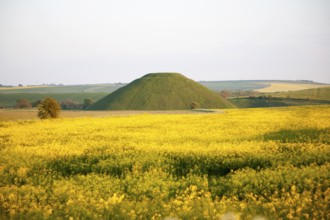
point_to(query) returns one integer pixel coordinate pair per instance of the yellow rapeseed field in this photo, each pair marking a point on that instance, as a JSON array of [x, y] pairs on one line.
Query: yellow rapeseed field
[[284, 87], [244, 164]]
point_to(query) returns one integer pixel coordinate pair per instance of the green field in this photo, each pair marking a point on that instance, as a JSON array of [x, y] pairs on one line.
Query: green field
[[317, 96], [314, 94], [245, 85], [237, 85], [9, 100], [264, 101], [245, 164], [78, 93], [234, 85], [97, 88]]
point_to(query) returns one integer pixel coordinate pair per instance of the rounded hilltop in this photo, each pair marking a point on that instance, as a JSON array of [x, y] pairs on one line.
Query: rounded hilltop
[[161, 91]]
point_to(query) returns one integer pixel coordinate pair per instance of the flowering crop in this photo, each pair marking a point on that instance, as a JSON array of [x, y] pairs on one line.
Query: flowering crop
[[245, 163]]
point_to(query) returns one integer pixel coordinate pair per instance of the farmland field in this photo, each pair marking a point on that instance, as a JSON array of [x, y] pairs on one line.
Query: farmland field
[[283, 87], [9, 99], [322, 93], [269, 163], [28, 114], [77, 93], [258, 102], [97, 88]]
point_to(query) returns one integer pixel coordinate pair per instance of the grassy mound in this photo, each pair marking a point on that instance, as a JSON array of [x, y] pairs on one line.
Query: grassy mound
[[161, 91]]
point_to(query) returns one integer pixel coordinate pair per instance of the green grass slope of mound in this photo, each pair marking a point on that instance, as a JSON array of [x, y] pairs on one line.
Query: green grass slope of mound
[[161, 91], [322, 93]]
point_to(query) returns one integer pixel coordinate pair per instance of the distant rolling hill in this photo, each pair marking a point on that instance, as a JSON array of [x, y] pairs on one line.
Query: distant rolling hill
[[317, 96], [235, 85], [260, 102], [285, 87], [97, 88], [261, 85], [322, 93], [9, 100], [77, 93], [161, 91]]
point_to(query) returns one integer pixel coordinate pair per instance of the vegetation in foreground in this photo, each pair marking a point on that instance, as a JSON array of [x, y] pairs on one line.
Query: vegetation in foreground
[[272, 163], [49, 108]]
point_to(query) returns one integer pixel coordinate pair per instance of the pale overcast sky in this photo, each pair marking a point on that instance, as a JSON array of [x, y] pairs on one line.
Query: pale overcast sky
[[104, 41]]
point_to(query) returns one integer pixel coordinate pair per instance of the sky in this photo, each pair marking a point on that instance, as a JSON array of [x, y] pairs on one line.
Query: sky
[[108, 41]]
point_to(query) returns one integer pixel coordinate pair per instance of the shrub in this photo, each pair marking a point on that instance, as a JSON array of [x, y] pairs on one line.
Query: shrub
[[194, 105], [70, 104], [49, 108], [88, 102], [36, 103], [23, 103]]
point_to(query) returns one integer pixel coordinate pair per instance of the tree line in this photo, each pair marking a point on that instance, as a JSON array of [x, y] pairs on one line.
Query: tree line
[[66, 104], [49, 108]]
